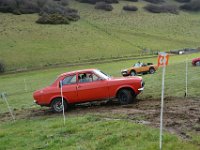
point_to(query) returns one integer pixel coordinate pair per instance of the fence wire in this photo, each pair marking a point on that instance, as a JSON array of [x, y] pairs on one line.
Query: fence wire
[[20, 89]]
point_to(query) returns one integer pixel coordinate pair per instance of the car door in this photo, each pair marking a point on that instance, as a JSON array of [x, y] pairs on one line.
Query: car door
[[138, 68], [91, 87], [69, 87], [144, 68]]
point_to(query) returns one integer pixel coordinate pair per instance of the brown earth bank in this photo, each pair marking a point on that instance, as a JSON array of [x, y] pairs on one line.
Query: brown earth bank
[[181, 116]]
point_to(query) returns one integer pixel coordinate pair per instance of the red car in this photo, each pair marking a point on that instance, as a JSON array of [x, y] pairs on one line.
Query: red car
[[196, 61], [88, 85]]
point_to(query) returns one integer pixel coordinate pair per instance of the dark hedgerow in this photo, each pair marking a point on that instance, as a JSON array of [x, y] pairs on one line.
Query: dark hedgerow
[[192, 6], [51, 12], [155, 1], [132, 0], [87, 1], [19, 6], [2, 67], [108, 1], [96, 1], [183, 1], [41, 3], [73, 16], [53, 19], [63, 2], [104, 6], [41, 7], [51, 7], [130, 8], [162, 9], [8, 6], [28, 7]]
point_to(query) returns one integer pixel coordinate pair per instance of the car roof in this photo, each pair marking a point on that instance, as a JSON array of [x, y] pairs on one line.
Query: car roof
[[196, 58], [76, 71]]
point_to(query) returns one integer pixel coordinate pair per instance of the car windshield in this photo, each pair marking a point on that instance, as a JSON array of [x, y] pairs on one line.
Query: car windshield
[[136, 65], [102, 74]]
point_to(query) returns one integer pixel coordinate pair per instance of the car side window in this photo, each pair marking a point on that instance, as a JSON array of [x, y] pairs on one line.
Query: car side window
[[95, 78], [87, 77], [69, 80], [84, 77]]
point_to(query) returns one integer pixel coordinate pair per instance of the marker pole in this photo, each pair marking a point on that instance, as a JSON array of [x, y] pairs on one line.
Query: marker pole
[[61, 92], [162, 106], [186, 78], [10, 110], [25, 85]]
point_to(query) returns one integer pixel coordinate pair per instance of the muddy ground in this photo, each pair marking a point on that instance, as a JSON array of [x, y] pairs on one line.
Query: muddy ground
[[181, 116]]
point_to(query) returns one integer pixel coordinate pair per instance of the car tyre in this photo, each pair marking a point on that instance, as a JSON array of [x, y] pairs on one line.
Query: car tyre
[[56, 105], [151, 70], [125, 97], [133, 73], [197, 63]]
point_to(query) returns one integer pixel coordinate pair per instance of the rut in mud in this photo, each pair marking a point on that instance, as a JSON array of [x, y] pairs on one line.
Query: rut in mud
[[180, 115]]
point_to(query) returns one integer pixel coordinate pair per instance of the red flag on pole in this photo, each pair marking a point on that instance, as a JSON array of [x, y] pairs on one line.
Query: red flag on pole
[[163, 59]]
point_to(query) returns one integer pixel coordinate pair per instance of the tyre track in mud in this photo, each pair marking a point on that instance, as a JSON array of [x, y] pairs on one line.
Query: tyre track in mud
[[181, 116]]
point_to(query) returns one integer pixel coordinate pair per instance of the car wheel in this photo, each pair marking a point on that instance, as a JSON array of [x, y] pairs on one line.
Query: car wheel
[[56, 105], [125, 97], [132, 73], [151, 70], [197, 63]]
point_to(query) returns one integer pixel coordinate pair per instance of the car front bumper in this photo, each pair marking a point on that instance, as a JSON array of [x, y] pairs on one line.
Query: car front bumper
[[124, 73], [142, 86], [141, 89]]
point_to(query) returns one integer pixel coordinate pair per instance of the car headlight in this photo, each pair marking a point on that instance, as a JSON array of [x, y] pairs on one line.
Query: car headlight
[[125, 70]]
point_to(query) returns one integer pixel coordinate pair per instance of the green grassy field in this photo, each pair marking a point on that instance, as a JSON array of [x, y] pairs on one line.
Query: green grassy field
[[87, 132], [98, 34]]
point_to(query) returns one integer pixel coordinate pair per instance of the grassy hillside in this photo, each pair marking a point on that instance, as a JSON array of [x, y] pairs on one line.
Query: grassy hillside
[[98, 34]]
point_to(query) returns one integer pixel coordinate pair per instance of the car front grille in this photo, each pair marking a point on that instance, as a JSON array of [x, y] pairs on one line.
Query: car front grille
[[124, 72]]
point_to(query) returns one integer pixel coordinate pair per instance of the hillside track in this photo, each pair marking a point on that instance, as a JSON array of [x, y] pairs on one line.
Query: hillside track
[[181, 116]]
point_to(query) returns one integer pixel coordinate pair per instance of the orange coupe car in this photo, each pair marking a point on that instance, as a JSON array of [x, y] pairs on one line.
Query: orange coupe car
[[139, 68]]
